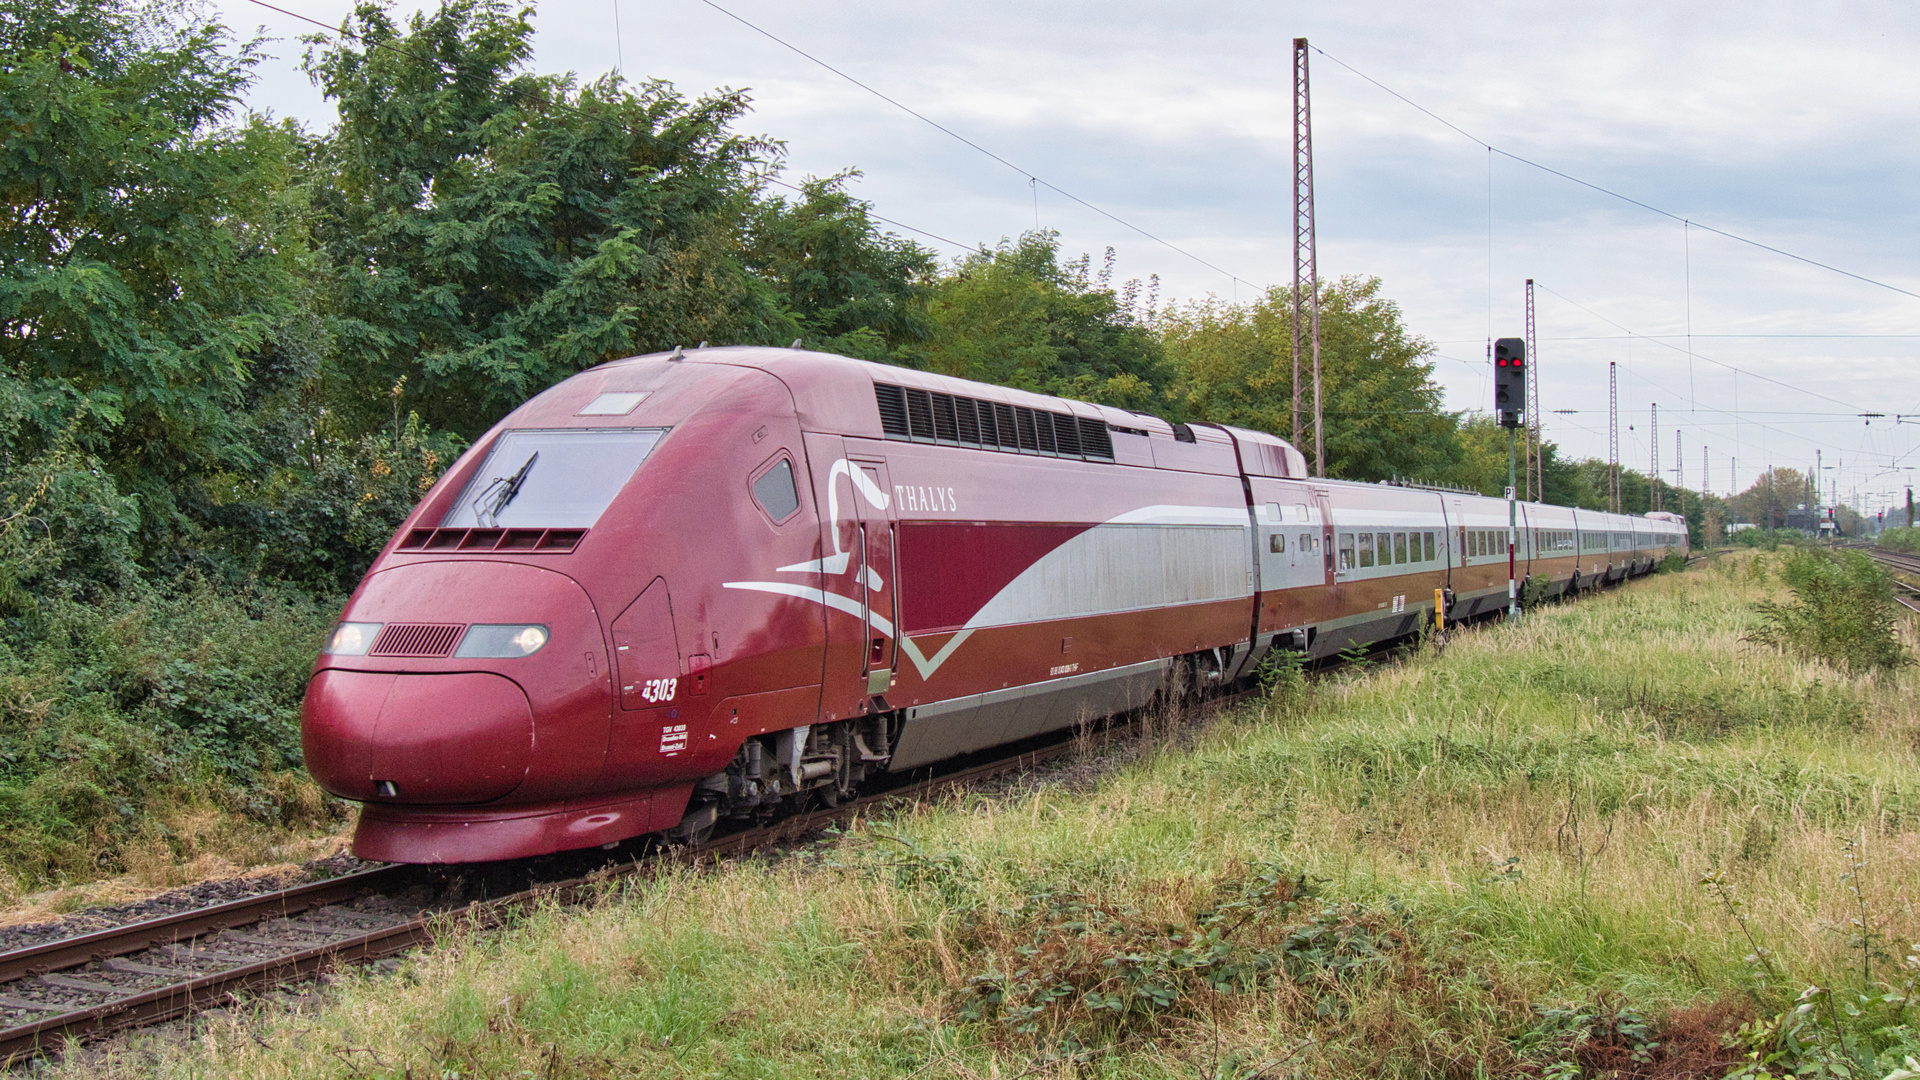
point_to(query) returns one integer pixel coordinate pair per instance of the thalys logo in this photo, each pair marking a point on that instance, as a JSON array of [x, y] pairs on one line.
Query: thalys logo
[[839, 563]]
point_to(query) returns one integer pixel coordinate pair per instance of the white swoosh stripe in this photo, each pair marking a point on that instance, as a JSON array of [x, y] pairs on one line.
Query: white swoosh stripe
[[921, 662], [1182, 515]]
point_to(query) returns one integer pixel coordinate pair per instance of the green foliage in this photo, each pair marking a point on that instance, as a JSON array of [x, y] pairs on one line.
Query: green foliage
[[1842, 611], [145, 260], [1233, 364], [115, 708], [1069, 968], [1017, 316], [850, 288], [1767, 539], [1900, 539], [487, 232]]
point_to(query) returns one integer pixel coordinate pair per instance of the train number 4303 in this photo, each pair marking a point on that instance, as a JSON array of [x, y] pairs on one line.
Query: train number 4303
[[657, 690]]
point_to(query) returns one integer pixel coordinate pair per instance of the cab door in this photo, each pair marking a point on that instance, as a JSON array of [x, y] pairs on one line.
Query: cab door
[[877, 585]]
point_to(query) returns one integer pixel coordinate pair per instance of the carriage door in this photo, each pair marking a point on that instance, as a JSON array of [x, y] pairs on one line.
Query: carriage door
[[877, 585], [1322, 507]]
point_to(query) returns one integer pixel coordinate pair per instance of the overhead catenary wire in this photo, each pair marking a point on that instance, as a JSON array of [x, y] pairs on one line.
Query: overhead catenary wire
[[1602, 189], [1691, 354], [1029, 174], [563, 105]]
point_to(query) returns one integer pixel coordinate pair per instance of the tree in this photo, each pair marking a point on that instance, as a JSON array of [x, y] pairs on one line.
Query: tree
[[488, 232], [1016, 316], [1382, 410], [851, 288], [146, 258]]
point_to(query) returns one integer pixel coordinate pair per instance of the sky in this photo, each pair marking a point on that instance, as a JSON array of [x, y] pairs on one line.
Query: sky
[[1790, 125]]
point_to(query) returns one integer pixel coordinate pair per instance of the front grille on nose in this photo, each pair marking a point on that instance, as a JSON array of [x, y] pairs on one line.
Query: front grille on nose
[[416, 639]]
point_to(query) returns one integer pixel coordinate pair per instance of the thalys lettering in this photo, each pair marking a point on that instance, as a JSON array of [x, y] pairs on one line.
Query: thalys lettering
[[712, 603], [926, 500]]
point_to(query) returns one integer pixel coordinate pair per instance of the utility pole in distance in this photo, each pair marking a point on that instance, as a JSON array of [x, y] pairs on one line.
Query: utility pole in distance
[[1510, 400], [1306, 260]]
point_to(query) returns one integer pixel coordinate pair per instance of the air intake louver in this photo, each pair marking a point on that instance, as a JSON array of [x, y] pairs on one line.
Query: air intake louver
[[416, 639], [893, 409], [925, 416]]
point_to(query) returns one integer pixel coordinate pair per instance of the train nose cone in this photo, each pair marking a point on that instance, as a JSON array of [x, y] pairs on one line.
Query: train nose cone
[[453, 738]]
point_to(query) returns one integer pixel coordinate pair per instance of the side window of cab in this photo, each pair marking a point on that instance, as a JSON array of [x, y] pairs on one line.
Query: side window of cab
[[775, 489]]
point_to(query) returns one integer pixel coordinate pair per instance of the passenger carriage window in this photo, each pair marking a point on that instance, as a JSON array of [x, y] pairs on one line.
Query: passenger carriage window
[[1306, 542], [1366, 550], [1429, 545], [1346, 551], [1300, 511], [1273, 513], [1399, 547], [1277, 543], [775, 491]]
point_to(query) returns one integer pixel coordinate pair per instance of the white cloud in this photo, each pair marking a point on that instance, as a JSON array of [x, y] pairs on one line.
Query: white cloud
[[1779, 121]]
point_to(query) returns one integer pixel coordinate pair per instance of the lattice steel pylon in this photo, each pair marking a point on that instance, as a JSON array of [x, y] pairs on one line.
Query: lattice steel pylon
[[1653, 471], [1536, 465], [1613, 437], [1306, 272]]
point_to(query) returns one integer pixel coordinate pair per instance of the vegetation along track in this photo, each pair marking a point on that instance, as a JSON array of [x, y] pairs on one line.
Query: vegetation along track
[[164, 968], [1906, 564]]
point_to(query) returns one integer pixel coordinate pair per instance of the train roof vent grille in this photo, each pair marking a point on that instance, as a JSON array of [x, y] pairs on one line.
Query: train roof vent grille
[[929, 416], [893, 409], [1095, 441], [416, 639], [920, 414], [945, 427]]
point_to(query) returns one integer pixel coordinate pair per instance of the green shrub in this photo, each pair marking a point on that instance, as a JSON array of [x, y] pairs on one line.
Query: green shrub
[[116, 712], [1899, 540], [1842, 612]]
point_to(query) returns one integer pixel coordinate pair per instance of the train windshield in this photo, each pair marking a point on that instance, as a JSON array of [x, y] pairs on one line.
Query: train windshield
[[560, 479]]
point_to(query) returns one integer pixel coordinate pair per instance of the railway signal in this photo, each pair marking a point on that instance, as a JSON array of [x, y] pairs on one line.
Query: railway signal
[[1510, 400], [1510, 380]]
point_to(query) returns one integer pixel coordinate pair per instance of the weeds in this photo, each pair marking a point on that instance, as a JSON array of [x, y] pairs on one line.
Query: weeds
[[1842, 612]]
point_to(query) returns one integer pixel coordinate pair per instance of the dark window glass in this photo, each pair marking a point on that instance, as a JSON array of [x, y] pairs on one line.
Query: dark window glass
[[1366, 549], [775, 493], [1430, 555], [1399, 547], [556, 479]]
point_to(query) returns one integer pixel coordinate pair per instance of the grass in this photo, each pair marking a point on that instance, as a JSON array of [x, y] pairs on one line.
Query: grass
[[1483, 861]]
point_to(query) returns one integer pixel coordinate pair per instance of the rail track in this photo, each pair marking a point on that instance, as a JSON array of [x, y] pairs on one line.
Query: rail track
[[1906, 564], [170, 967]]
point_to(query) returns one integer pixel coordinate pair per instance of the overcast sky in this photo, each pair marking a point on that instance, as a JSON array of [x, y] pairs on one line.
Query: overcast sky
[[1789, 124]]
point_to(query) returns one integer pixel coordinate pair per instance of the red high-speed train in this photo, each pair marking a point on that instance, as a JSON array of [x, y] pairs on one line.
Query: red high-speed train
[[678, 588]]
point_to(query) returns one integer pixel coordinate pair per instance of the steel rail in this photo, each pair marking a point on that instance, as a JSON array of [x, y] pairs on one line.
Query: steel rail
[[172, 1001], [163, 1003]]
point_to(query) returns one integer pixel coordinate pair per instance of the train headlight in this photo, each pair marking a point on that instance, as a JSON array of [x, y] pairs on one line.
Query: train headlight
[[502, 642], [351, 639]]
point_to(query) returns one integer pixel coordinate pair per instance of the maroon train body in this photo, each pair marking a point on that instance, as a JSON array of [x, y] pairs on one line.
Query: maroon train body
[[679, 588]]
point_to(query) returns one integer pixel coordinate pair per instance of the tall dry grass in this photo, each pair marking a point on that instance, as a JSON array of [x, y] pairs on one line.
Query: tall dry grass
[[1482, 861]]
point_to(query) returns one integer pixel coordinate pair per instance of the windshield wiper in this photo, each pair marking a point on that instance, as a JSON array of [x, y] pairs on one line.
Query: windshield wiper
[[502, 492]]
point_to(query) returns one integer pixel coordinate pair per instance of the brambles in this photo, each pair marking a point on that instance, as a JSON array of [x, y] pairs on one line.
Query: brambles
[[1842, 612]]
